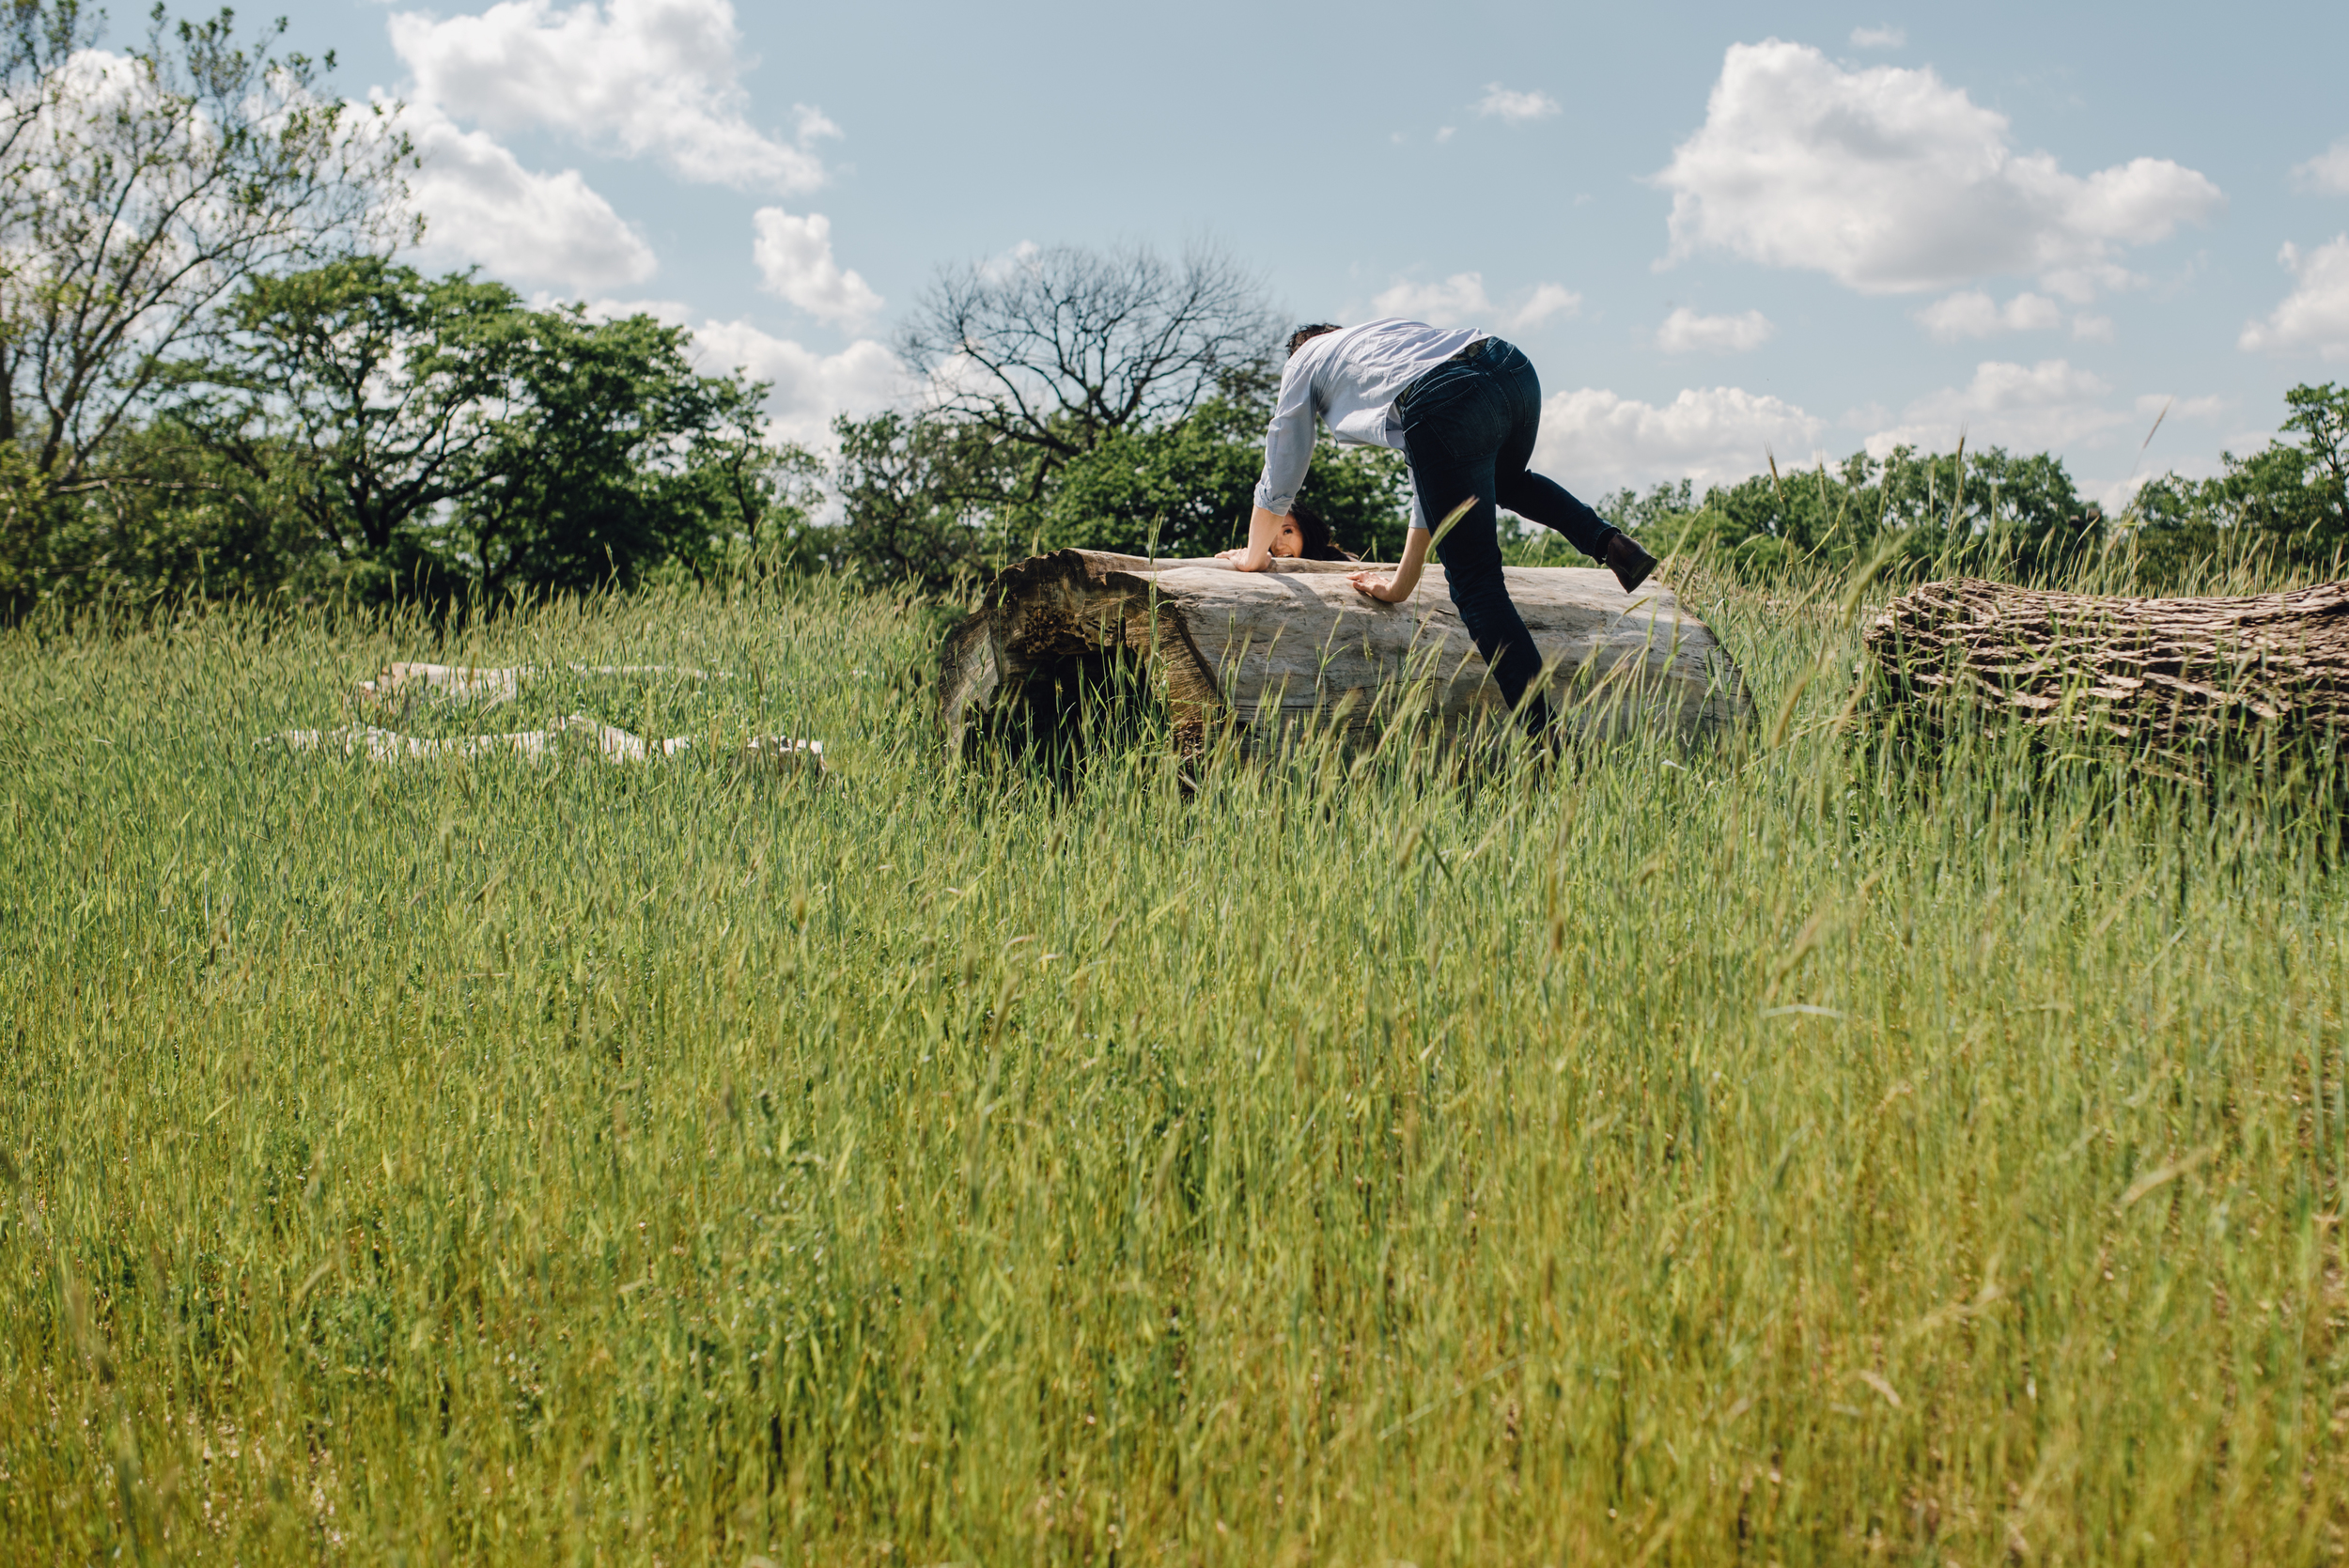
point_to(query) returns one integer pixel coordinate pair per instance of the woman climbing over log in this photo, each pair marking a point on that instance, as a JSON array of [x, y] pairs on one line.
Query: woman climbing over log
[[1305, 537], [1464, 409]]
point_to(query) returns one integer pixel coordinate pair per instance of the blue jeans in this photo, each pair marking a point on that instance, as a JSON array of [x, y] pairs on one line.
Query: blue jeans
[[1467, 428]]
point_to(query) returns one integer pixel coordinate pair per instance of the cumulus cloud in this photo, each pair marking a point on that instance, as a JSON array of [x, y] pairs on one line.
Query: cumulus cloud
[[809, 387], [795, 260], [1516, 108], [1002, 268], [1547, 300], [1592, 441], [1975, 313], [480, 205], [2327, 172], [2315, 315], [1461, 299], [2030, 408], [637, 77], [1889, 180], [1684, 331], [1877, 37]]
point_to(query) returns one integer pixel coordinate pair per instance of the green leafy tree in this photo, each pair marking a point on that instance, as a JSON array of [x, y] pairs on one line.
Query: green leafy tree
[[923, 501], [136, 193], [436, 433], [1184, 489], [1981, 511], [2289, 502], [150, 188], [602, 459], [189, 522], [363, 397]]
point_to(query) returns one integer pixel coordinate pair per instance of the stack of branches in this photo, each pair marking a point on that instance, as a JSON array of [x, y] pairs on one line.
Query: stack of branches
[[2191, 678]]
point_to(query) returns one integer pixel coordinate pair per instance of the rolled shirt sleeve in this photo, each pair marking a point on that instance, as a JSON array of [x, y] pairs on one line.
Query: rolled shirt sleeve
[[1288, 438]]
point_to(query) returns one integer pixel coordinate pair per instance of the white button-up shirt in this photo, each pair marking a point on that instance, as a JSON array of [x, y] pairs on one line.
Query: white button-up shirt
[[1348, 380]]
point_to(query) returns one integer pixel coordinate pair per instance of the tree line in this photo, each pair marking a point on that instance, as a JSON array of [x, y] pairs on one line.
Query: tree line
[[216, 375], [1990, 513]]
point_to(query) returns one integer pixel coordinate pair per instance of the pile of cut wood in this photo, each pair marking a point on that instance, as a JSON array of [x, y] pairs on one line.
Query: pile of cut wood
[[2175, 674], [1281, 651]]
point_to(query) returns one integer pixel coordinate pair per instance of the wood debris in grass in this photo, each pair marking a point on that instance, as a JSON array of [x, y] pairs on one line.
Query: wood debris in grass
[[490, 688], [609, 742]]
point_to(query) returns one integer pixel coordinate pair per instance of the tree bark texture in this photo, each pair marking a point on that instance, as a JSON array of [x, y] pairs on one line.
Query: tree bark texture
[[2178, 674], [1284, 650]]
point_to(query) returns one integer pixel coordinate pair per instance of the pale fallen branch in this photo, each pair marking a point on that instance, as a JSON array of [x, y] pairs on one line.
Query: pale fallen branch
[[610, 743], [490, 688]]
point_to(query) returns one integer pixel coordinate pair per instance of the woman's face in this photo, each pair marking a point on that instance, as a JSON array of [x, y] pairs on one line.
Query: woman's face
[[1288, 544]]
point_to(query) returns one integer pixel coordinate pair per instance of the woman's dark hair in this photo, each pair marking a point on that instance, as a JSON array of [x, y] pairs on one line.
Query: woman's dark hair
[[1318, 543], [1303, 335]]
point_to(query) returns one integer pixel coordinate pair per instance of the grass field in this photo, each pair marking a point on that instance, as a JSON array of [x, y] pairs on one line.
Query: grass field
[[1804, 1152]]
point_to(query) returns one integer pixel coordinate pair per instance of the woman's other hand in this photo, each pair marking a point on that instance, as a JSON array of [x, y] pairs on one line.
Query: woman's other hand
[[1378, 585]]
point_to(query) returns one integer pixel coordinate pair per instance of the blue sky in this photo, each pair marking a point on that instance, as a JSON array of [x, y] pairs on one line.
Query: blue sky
[[1718, 230]]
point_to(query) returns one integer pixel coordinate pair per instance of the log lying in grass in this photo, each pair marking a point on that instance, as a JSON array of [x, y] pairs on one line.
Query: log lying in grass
[[1281, 650], [2177, 675]]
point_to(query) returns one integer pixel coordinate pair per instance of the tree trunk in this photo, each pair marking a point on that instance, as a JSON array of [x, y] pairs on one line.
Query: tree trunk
[[2177, 675], [1281, 651]]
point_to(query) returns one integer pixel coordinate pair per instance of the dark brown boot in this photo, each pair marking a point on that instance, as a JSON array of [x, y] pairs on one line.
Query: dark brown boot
[[1628, 561]]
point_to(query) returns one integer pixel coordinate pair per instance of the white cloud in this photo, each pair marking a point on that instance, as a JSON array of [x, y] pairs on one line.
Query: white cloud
[[1457, 298], [2328, 171], [480, 205], [1518, 108], [999, 269], [2091, 329], [1594, 442], [658, 77], [1445, 134], [1684, 331], [2032, 408], [1547, 300], [1890, 181], [1878, 38], [795, 260], [809, 387], [2315, 315], [1461, 299], [1975, 313]]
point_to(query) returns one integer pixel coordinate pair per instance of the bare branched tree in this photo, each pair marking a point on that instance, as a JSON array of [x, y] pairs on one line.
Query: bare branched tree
[[1053, 350], [138, 191]]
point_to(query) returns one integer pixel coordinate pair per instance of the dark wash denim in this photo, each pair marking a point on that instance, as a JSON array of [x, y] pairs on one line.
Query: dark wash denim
[[1468, 427]]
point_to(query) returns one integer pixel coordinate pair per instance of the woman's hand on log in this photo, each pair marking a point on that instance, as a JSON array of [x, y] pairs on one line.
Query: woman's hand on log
[[1395, 589], [1240, 562]]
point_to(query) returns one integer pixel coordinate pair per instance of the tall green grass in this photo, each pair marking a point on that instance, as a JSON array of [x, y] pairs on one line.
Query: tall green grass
[[1809, 1149]]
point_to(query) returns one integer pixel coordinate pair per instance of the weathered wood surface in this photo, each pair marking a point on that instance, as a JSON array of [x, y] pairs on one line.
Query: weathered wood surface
[[1272, 649], [2173, 672]]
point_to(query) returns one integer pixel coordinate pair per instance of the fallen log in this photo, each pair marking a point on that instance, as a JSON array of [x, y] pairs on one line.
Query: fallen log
[[2178, 675], [1279, 651]]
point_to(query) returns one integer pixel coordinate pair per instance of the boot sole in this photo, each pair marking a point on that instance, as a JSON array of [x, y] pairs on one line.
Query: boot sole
[[1647, 569]]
